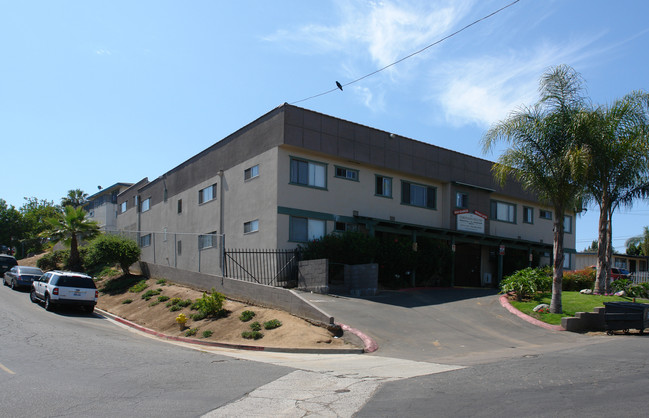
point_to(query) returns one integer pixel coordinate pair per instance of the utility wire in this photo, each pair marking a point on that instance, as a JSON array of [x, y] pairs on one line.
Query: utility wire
[[411, 55]]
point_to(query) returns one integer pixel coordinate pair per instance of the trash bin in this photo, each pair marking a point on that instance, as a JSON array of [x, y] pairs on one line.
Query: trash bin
[[625, 316]]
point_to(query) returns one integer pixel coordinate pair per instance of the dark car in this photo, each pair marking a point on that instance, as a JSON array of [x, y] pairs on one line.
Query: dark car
[[618, 273], [21, 276], [6, 262]]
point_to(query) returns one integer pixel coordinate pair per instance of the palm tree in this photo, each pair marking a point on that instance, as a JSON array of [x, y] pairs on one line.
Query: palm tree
[[619, 174], [641, 240], [72, 226], [74, 198], [545, 154]]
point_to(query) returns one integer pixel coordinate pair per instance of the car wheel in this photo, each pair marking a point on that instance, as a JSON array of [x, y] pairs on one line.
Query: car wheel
[[32, 296], [48, 303], [4, 281], [89, 309], [13, 285]]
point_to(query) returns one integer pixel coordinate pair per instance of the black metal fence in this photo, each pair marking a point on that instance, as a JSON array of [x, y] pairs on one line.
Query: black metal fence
[[269, 267]]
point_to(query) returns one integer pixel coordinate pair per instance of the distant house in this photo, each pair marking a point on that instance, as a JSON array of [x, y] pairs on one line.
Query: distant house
[[632, 263], [294, 175], [102, 206]]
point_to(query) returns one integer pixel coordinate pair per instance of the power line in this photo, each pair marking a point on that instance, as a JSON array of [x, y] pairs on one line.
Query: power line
[[340, 86]]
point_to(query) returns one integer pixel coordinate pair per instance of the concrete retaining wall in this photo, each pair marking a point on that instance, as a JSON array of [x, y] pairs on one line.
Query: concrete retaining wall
[[313, 276], [585, 321], [253, 293]]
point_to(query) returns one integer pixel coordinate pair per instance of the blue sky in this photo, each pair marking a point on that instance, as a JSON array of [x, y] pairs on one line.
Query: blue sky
[[99, 92]]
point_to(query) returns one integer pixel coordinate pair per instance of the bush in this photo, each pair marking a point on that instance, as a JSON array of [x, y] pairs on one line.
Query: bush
[[252, 335], [272, 324], [150, 293], [255, 326], [246, 316], [138, 287], [127, 301], [163, 298], [211, 304], [574, 281], [190, 332], [161, 282], [54, 260], [111, 249], [174, 308], [526, 282], [207, 334], [198, 316], [184, 303]]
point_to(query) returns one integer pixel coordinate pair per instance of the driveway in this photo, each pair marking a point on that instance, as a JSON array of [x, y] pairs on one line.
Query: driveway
[[448, 326]]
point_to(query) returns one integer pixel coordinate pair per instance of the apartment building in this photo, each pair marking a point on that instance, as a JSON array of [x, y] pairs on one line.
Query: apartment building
[[294, 175], [102, 206]]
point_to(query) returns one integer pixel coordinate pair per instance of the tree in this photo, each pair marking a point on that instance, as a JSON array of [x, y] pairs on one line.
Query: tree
[[34, 214], [641, 242], [74, 198], [111, 249], [11, 229], [546, 154], [618, 139], [593, 247], [71, 226]]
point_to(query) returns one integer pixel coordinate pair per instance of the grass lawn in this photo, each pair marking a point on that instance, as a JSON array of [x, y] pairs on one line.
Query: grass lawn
[[572, 302]]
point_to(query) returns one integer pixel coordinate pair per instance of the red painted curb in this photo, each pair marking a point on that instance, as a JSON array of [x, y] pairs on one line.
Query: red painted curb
[[504, 302], [370, 345]]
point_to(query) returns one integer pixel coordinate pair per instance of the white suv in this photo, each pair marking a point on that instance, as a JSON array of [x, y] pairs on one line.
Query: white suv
[[65, 288]]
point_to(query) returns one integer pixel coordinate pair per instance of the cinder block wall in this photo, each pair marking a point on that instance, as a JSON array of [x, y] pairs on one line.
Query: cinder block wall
[[362, 279], [253, 293], [313, 276]]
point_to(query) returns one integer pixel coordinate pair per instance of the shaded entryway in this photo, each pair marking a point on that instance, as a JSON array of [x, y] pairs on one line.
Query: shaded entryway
[[467, 265]]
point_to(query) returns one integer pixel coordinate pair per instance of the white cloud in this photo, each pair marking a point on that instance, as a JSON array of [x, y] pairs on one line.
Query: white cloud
[[103, 52]]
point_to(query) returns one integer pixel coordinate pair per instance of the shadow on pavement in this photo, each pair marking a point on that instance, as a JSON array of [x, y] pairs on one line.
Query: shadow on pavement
[[412, 298]]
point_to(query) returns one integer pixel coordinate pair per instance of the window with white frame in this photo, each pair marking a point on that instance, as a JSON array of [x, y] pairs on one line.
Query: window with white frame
[[146, 204], [383, 186], [250, 173], [346, 173], [308, 173], [207, 194], [502, 211], [306, 229], [251, 226], [122, 207], [145, 240], [418, 195], [545, 214], [207, 240], [528, 215], [461, 200], [567, 224]]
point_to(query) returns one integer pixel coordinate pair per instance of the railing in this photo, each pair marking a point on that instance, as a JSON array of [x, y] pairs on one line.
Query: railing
[[640, 277], [269, 267]]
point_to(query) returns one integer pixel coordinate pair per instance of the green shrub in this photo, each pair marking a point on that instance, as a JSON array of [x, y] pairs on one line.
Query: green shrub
[[190, 332], [173, 302], [163, 298], [154, 303], [198, 316], [207, 334], [246, 316], [272, 324], [138, 287], [150, 293], [252, 335], [175, 308], [120, 284], [53, 260], [161, 282], [526, 282], [109, 249], [184, 303], [211, 304], [621, 285], [127, 301], [255, 326]]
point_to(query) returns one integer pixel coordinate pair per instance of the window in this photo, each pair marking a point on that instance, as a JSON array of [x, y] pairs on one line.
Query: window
[[207, 240], [545, 214], [308, 173], [501, 211], [566, 261], [146, 204], [383, 186], [164, 234], [461, 200], [122, 207], [304, 229], [252, 226], [418, 195], [207, 194], [528, 215], [145, 240], [180, 206], [251, 172], [567, 224], [347, 173], [179, 247]]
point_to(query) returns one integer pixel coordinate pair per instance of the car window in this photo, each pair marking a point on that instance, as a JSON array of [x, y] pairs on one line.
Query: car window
[[29, 270], [8, 260], [76, 281]]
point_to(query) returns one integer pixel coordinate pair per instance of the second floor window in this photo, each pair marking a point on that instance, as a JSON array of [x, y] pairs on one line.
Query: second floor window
[[383, 186], [251, 172], [347, 173], [528, 215], [501, 211], [122, 207], [567, 224], [461, 200], [418, 195], [252, 226], [545, 214], [207, 194], [146, 204], [308, 173]]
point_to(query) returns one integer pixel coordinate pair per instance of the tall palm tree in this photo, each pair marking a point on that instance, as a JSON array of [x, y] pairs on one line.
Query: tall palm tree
[[619, 173], [72, 226], [545, 154], [74, 198]]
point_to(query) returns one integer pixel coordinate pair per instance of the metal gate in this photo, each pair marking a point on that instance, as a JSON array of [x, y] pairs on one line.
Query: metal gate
[[269, 267]]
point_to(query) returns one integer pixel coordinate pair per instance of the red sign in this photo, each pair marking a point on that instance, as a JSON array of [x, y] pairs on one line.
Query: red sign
[[502, 250], [459, 211], [480, 214]]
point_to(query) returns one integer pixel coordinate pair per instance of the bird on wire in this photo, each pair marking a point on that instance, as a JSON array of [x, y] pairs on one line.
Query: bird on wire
[[339, 86]]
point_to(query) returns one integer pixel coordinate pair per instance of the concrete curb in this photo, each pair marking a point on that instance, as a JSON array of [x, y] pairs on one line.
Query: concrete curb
[[504, 302], [370, 345], [236, 346]]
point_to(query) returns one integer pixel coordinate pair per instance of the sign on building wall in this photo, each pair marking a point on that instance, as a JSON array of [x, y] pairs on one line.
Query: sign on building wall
[[470, 222]]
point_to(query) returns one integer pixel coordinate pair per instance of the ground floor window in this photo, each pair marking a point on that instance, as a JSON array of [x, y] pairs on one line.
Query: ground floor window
[[145, 240], [306, 229]]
